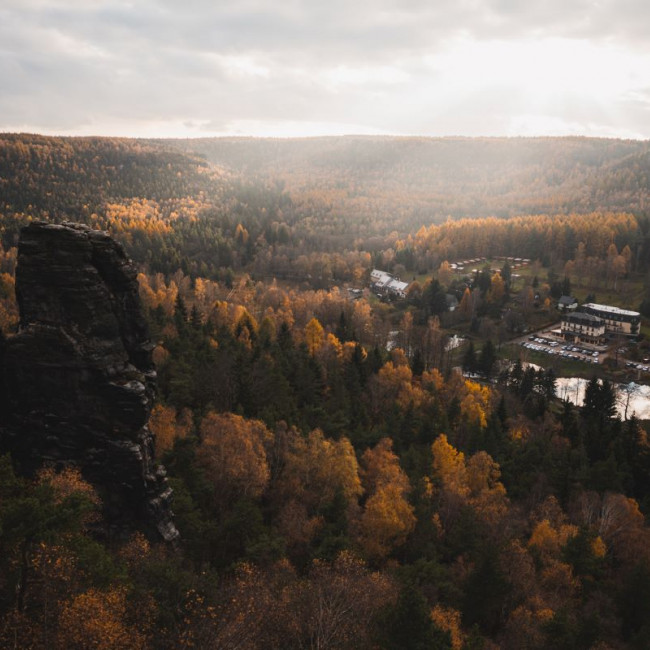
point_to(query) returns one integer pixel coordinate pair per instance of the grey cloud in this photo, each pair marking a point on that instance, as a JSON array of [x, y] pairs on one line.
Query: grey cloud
[[339, 30], [380, 24], [68, 62]]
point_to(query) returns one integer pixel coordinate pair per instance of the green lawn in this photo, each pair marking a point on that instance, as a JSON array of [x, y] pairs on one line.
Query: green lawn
[[628, 293]]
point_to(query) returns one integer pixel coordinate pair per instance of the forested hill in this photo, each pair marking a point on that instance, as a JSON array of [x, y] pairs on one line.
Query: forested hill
[[273, 208], [375, 184], [414, 181], [62, 175], [398, 183], [171, 209]]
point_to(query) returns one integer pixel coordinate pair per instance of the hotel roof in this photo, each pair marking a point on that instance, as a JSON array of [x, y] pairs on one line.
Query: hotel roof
[[611, 310]]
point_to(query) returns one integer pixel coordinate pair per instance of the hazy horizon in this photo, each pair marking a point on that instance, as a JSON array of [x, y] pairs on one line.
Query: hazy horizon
[[326, 136], [351, 134]]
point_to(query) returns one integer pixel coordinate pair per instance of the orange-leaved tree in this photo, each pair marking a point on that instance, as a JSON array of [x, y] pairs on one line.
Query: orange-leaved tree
[[233, 451], [387, 517]]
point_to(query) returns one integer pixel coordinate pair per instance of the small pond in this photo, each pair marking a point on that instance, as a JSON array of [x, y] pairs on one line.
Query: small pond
[[634, 397]]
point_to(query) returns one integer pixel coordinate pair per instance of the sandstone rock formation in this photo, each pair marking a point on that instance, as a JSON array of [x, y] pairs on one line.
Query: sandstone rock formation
[[78, 379]]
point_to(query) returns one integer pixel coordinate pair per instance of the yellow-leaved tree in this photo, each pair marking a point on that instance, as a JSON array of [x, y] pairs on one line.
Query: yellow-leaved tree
[[314, 336], [387, 517], [166, 425], [100, 619], [233, 451], [315, 471], [473, 482], [317, 467]]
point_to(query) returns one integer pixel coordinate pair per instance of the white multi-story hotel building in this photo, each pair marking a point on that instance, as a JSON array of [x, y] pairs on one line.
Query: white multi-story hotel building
[[619, 321]]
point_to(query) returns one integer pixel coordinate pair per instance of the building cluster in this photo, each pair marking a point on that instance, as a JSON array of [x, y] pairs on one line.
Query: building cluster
[[386, 284], [593, 323], [514, 262], [463, 266]]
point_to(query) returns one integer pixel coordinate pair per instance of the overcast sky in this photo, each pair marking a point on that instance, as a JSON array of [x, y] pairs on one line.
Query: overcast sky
[[319, 67]]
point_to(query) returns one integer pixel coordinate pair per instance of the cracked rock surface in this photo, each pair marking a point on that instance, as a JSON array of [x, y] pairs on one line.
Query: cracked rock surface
[[78, 380]]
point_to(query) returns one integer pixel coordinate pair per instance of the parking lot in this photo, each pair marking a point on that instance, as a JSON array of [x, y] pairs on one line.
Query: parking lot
[[633, 365], [561, 349], [545, 342]]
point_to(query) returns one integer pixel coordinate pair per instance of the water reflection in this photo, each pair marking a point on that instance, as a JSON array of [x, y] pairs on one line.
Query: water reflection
[[631, 399]]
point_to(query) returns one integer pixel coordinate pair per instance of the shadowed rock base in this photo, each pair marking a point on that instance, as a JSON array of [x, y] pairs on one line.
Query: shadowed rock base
[[78, 380]]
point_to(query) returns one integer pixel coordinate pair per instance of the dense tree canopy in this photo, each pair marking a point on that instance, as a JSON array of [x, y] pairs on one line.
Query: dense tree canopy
[[339, 483]]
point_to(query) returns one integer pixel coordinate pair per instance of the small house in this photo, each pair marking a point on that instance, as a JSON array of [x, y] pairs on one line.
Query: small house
[[567, 303]]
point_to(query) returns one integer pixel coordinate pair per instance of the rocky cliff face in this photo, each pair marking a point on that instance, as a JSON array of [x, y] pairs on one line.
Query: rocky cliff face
[[78, 379]]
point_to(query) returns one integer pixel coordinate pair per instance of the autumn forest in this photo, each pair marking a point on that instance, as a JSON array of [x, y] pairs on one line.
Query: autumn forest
[[349, 470]]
